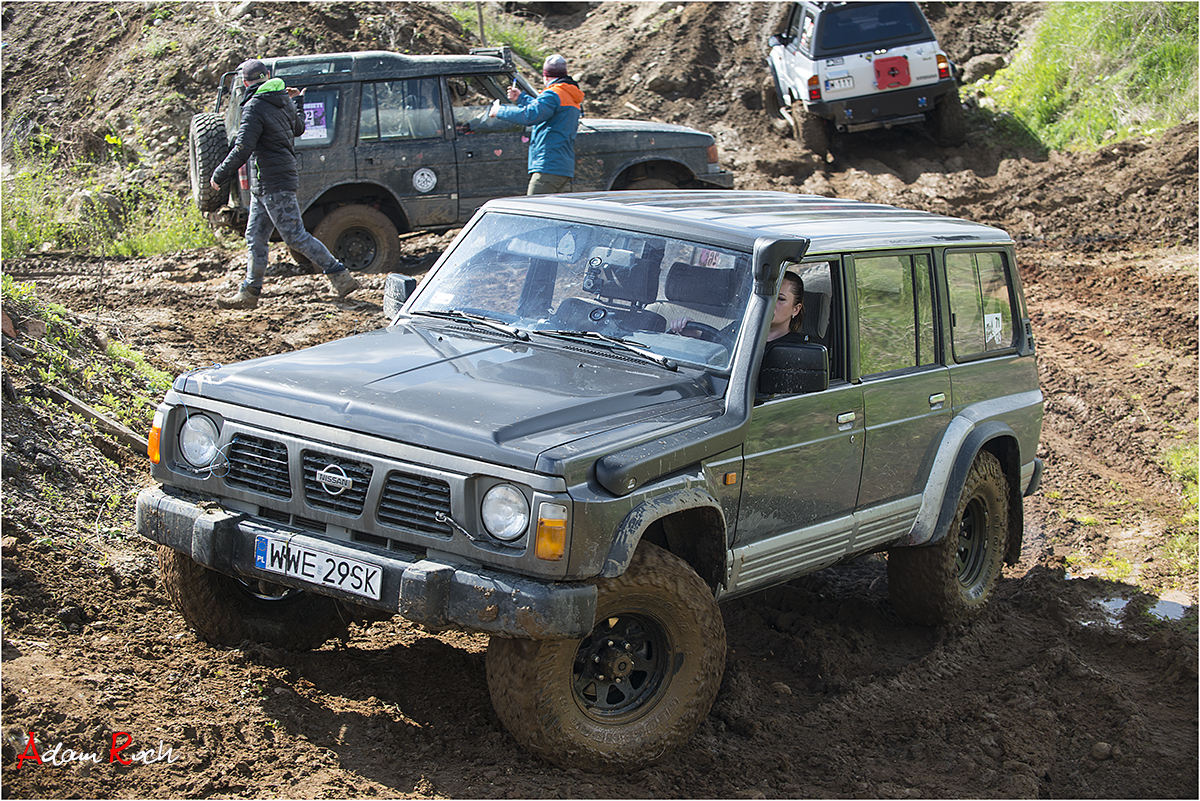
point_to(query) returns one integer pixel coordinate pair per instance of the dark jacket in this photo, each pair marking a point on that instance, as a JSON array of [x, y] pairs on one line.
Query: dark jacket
[[267, 137]]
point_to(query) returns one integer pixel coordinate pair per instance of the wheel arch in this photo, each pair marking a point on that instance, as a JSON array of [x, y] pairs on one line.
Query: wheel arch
[[689, 523], [361, 193], [950, 474], [653, 168]]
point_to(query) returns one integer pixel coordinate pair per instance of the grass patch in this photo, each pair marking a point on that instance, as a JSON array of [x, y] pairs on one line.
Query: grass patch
[[45, 206], [1183, 546], [500, 29], [74, 357], [1099, 72]]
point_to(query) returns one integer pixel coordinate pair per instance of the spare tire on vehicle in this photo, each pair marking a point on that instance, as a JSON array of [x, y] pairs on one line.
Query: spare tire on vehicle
[[207, 148]]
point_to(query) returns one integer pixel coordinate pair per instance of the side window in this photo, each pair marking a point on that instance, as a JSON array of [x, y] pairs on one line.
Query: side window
[[320, 117], [981, 311], [895, 313], [470, 98], [407, 109], [806, 33]]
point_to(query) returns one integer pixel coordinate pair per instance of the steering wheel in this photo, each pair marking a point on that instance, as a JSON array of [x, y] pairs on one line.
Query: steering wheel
[[708, 333]]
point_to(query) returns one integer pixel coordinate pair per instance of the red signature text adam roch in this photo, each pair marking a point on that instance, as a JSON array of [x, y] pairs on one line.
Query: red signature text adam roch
[[122, 751]]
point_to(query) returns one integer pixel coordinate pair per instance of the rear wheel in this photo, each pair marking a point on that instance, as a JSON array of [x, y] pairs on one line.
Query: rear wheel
[[632, 690], [948, 121], [207, 148], [650, 184], [811, 131], [953, 580], [361, 237], [229, 611]]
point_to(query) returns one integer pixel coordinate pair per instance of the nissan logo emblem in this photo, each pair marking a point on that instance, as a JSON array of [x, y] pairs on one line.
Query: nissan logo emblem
[[333, 479]]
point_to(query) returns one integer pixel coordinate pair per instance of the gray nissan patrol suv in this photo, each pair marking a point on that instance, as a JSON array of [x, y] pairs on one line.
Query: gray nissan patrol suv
[[573, 438]]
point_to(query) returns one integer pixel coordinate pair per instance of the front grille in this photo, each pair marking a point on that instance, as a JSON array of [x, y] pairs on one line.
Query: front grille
[[412, 502], [347, 501], [259, 465]]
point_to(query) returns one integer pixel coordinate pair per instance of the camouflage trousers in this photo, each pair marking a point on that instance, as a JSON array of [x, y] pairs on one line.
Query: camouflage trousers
[[279, 211]]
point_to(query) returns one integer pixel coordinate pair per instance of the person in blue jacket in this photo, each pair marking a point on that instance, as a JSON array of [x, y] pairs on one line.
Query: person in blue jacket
[[554, 115]]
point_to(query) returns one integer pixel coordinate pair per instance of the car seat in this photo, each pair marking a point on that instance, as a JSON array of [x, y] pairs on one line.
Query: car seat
[[701, 294]]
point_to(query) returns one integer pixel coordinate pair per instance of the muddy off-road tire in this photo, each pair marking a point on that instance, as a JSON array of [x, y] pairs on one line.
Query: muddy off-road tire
[[771, 101], [631, 691], [207, 148], [954, 579], [948, 122], [811, 131], [228, 611], [361, 237]]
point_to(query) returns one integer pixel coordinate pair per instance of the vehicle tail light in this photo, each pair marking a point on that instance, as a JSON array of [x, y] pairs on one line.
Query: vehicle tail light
[[152, 444], [713, 156], [943, 68], [244, 177], [814, 89]]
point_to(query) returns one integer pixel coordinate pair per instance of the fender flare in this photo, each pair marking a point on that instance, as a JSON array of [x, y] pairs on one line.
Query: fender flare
[[633, 526], [961, 444]]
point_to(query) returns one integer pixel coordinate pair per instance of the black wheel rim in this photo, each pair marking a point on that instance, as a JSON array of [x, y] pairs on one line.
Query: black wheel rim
[[620, 667], [355, 248], [971, 557]]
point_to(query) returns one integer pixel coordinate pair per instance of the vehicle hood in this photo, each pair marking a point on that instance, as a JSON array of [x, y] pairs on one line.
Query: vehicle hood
[[456, 391], [589, 125]]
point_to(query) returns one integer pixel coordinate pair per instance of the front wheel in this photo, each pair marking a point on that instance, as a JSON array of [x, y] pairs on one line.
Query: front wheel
[[228, 611], [632, 690], [953, 579], [361, 237]]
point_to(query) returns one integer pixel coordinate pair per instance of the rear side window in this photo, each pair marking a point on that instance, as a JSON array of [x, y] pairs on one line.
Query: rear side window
[[895, 313], [981, 304], [320, 116], [394, 110]]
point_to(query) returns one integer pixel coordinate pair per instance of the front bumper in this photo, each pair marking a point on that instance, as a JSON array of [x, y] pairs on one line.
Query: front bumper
[[435, 593]]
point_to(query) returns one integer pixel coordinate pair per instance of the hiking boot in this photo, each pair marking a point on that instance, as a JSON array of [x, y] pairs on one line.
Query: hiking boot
[[244, 299], [343, 282]]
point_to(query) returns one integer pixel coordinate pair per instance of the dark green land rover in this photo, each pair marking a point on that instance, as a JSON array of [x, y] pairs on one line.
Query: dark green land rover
[[575, 437], [397, 143]]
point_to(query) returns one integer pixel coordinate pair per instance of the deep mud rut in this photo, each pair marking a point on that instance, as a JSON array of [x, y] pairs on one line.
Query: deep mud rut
[[1078, 681]]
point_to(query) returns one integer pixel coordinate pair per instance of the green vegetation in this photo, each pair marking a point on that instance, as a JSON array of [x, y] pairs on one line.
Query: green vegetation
[[1183, 461], [1099, 72], [500, 29], [117, 380], [44, 209]]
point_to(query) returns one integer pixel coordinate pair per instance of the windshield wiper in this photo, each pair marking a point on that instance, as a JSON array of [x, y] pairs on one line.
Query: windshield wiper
[[473, 319], [620, 344]]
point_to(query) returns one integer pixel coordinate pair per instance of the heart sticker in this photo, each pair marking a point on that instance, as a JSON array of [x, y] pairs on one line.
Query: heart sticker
[[497, 151]]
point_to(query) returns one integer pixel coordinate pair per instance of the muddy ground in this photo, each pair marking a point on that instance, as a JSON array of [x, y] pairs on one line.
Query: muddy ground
[[1079, 681]]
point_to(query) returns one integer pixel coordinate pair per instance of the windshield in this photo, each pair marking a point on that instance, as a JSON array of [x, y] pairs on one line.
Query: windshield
[[590, 284]]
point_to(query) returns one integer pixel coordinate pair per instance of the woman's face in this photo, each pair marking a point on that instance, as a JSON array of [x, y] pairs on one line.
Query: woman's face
[[787, 305]]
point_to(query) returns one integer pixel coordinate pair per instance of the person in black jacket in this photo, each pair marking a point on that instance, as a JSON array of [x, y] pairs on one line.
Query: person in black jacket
[[271, 122]]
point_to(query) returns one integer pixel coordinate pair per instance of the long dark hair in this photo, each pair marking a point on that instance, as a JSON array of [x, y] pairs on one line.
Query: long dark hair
[[798, 291]]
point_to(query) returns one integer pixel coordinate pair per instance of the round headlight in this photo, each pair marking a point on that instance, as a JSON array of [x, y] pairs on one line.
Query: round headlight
[[505, 512], [198, 440]]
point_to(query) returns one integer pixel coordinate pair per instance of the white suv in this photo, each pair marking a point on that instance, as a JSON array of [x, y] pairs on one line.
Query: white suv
[[857, 66]]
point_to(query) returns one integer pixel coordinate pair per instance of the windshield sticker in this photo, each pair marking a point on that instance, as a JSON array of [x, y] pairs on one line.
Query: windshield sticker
[[424, 180], [443, 298]]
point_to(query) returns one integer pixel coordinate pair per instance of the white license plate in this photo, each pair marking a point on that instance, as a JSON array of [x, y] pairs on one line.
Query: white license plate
[[287, 558], [840, 83]]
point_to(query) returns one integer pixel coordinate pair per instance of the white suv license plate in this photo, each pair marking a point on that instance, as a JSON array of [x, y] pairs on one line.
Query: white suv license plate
[[839, 83], [279, 555]]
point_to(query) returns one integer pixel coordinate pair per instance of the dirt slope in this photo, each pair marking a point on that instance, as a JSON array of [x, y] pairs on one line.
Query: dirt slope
[[1072, 684]]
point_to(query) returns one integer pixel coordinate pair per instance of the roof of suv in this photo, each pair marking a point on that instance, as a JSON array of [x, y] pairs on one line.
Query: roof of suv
[[738, 218], [371, 64]]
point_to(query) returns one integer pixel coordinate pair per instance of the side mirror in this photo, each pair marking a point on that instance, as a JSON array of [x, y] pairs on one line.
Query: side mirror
[[793, 369], [396, 290]]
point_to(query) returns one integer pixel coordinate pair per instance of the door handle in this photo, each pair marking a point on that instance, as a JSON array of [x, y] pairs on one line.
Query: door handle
[[846, 420], [936, 400]]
